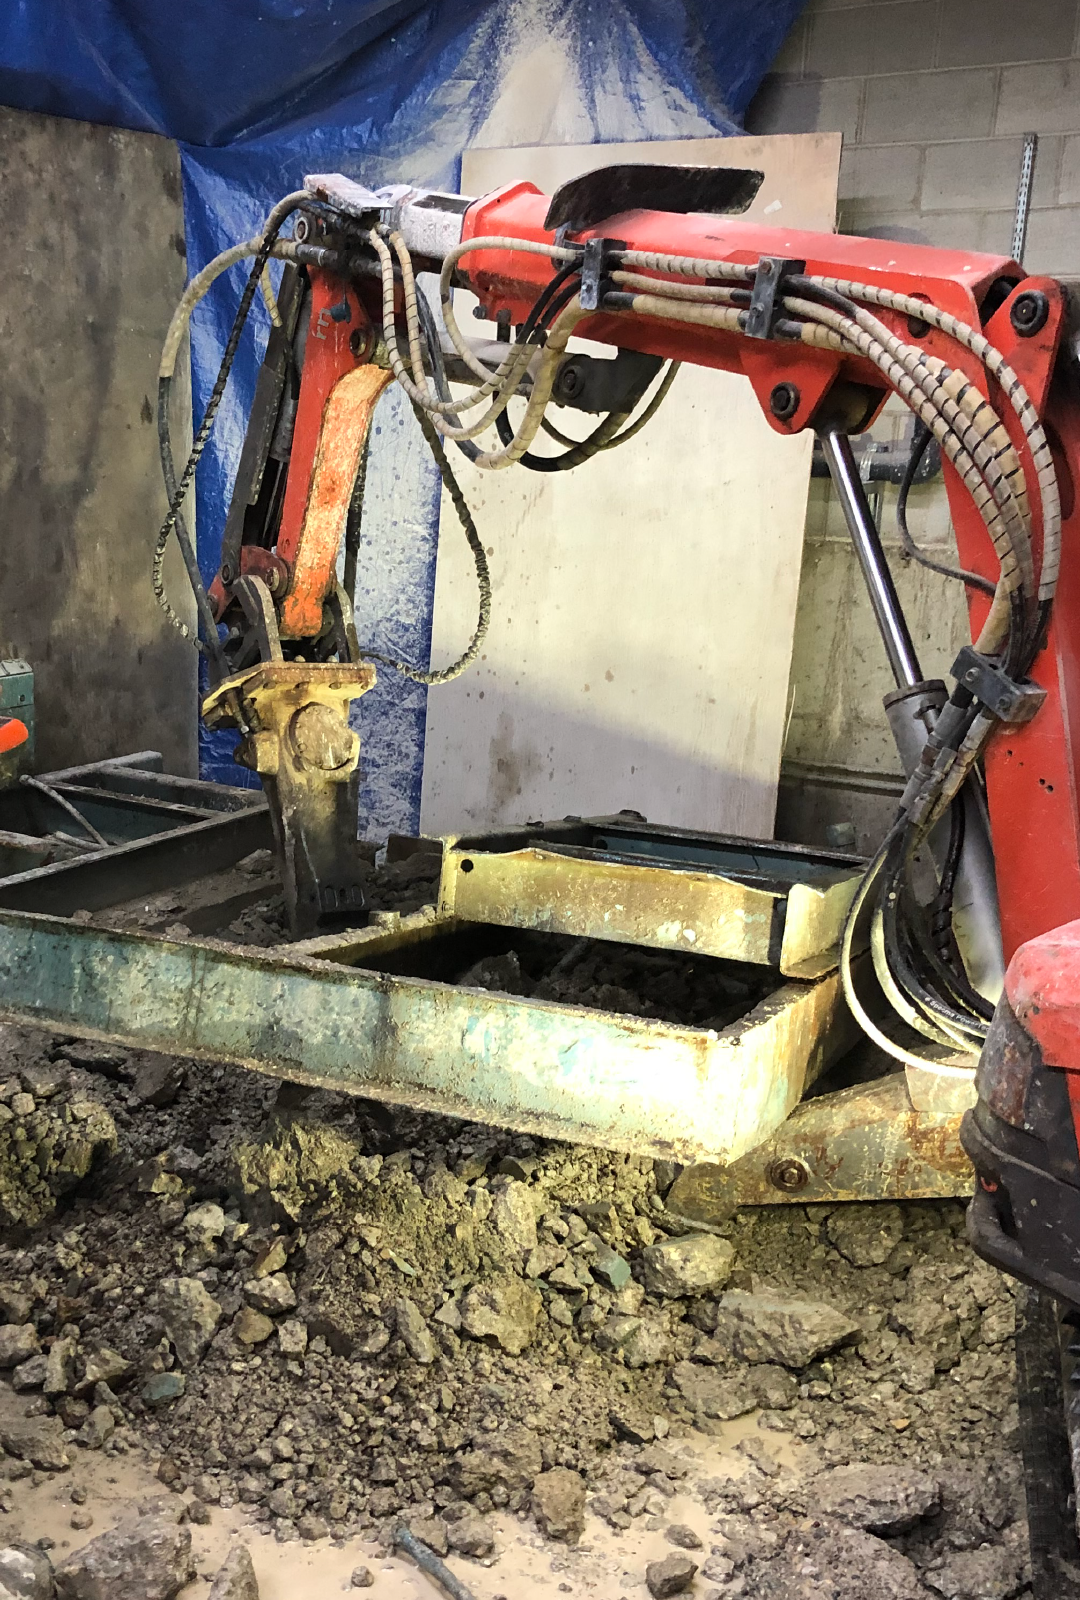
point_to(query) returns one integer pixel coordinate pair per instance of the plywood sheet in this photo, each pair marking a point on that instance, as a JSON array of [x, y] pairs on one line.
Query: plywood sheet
[[644, 603]]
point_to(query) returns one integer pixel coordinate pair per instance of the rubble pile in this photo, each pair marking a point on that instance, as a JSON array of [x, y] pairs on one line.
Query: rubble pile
[[336, 1317]]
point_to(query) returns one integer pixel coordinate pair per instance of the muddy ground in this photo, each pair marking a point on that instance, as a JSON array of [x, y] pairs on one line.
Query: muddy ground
[[311, 1318]]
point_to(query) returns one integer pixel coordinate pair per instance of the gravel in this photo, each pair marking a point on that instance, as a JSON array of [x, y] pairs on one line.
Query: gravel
[[337, 1317]]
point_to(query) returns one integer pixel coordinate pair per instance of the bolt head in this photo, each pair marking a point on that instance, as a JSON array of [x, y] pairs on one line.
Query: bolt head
[[788, 1173]]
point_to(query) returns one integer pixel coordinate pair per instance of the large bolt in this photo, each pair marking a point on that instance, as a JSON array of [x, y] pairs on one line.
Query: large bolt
[[788, 1173], [1029, 312], [784, 402]]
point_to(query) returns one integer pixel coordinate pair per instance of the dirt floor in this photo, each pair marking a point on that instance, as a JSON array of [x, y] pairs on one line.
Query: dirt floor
[[300, 1320]]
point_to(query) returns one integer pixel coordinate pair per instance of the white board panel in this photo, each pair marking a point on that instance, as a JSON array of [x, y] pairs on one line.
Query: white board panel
[[644, 603]]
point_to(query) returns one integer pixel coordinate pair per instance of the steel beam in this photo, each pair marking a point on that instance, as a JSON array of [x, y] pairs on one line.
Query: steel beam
[[564, 1072]]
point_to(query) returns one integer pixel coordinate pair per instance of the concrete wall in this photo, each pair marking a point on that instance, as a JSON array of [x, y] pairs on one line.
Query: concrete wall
[[933, 98], [93, 265]]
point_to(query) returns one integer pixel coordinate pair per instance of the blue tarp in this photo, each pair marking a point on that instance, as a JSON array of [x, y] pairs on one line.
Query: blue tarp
[[259, 92]]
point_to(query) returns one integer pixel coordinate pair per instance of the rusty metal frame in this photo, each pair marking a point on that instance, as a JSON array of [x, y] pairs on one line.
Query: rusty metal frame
[[620, 879], [313, 1013]]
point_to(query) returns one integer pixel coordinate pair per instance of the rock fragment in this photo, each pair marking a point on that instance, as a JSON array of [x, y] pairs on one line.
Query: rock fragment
[[103, 1366], [271, 1295], [251, 1326], [699, 1263], [414, 1331], [712, 1393], [503, 1311], [59, 1368], [30, 1375], [18, 1342], [865, 1235], [146, 1560], [25, 1572], [513, 1215], [471, 1536], [558, 1503], [158, 1079], [236, 1578], [39, 1440], [362, 1578], [880, 1499], [161, 1388], [776, 1328], [191, 1316], [683, 1535], [292, 1338], [97, 1430], [670, 1576]]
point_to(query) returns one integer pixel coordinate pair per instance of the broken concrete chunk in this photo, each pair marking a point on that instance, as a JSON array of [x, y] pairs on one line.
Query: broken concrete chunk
[[710, 1393], [103, 1366], [413, 1331], [503, 1312], [236, 1578], [432, 1532], [670, 1576], [648, 1345], [190, 1315], [97, 1430], [292, 1338], [158, 1079], [471, 1536], [146, 1560], [25, 1573], [29, 1375], [632, 1423], [60, 1368], [513, 1215], [251, 1326], [39, 1440], [696, 1264], [18, 1344], [775, 1328], [162, 1388], [513, 1458], [884, 1500], [992, 1573], [865, 1235], [558, 1503], [775, 1387], [204, 1224], [272, 1295]]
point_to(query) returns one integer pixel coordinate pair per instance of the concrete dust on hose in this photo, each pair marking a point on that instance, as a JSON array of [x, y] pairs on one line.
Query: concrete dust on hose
[[237, 1312]]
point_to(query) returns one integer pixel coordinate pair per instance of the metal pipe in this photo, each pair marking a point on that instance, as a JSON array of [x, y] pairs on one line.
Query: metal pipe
[[898, 643]]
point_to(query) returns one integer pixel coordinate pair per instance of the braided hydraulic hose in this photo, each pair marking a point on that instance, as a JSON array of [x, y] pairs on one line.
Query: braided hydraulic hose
[[446, 295], [274, 223], [483, 575], [1014, 392], [502, 384]]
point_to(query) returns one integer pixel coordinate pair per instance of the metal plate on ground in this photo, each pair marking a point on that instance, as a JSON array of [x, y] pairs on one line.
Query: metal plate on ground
[[612, 878]]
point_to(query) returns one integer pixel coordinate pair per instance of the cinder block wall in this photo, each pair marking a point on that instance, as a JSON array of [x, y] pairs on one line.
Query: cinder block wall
[[933, 98]]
